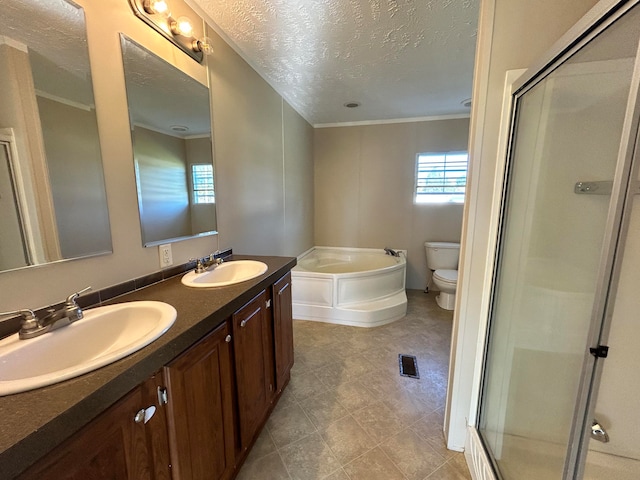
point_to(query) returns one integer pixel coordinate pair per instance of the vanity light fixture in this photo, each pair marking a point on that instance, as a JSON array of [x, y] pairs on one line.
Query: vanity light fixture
[[182, 26], [156, 6], [157, 14]]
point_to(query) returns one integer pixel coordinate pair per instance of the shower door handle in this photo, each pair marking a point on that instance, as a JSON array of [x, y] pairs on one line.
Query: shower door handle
[[598, 432]]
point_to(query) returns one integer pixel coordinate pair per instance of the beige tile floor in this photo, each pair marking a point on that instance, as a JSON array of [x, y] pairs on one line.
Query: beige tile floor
[[347, 414]]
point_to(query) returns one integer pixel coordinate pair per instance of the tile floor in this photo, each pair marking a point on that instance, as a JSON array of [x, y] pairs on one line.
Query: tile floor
[[347, 414]]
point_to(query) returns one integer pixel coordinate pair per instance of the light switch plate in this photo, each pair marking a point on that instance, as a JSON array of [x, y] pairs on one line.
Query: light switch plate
[[166, 259]]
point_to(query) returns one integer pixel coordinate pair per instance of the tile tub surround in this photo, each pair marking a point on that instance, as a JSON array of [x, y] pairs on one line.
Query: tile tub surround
[[347, 414], [33, 423]]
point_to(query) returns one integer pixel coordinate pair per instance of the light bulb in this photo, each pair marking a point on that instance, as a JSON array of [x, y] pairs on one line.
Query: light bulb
[[161, 7], [203, 45], [182, 26]]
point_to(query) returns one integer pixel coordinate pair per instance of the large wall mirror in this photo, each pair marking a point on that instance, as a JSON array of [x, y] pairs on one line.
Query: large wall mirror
[[172, 147], [52, 194]]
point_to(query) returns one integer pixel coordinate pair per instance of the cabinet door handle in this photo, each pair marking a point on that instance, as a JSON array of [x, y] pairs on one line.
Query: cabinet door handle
[[144, 414], [227, 339], [245, 321], [139, 418], [163, 397]]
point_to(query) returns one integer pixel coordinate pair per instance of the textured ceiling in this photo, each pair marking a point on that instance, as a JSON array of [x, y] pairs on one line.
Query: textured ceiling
[[161, 96], [398, 58], [54, 34]]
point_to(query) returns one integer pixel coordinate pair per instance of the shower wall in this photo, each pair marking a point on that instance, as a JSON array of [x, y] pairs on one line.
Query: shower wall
[[617, 404]]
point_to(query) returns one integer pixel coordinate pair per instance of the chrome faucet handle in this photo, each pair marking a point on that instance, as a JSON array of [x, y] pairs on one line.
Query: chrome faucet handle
[[199, 265], [72, 310], [29, 320], [26, 313], [71, 299]]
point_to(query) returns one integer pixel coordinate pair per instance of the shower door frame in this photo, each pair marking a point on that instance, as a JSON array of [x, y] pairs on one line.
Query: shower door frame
[[603, 15]]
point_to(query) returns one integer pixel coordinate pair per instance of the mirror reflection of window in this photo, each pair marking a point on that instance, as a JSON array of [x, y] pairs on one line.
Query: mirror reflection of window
[[202, 178], [172, 147]]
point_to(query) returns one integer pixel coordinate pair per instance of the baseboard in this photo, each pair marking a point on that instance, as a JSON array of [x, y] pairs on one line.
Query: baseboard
[[476, 456]]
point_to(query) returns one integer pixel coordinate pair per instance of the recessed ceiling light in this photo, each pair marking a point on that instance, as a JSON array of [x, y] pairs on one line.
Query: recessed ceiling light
[[352, 104], [466, 103], [179, 128]]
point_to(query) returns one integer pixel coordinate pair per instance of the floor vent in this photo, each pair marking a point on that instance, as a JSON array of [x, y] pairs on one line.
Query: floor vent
[[408, 366]]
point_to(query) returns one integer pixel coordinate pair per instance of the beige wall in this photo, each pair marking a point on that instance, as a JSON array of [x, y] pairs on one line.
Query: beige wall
[[298, 183], [264, 164], [512, 35], [249, 158], [364, 177], [247, 128]]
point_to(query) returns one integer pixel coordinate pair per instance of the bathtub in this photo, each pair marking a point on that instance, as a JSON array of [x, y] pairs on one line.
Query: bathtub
[[360, 287]]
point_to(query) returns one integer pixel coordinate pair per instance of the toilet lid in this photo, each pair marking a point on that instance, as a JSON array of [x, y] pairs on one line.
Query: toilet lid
[[448, 276]]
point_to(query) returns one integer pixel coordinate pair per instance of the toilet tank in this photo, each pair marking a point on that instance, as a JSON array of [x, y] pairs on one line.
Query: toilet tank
[[442, 255]]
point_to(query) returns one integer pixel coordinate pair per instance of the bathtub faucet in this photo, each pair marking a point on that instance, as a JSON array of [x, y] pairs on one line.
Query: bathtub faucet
[[392, 252]]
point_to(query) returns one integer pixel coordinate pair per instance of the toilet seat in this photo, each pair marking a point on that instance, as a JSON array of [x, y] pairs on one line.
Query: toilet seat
[[446, 276]]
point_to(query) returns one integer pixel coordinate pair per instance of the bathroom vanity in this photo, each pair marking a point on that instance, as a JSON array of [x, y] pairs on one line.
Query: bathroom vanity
[[188, 406]]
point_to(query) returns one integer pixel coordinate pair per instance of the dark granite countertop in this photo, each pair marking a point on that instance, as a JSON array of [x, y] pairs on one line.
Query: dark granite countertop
[[33, 423]]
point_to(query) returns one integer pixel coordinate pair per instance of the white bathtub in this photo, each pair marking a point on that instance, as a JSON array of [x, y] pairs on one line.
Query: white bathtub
[[361, 287]]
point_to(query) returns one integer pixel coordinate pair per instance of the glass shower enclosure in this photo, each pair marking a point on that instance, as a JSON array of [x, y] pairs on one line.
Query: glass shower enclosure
[[555, 402]]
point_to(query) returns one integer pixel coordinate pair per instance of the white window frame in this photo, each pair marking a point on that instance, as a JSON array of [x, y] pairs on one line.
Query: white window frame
[[444, 190], [202, 196]]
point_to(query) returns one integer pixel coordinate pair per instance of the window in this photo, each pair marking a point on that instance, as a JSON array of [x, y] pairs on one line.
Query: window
[[441, 177], [202, 178]]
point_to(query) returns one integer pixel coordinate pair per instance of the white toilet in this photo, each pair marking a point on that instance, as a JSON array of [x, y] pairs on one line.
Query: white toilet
[[442, 260]]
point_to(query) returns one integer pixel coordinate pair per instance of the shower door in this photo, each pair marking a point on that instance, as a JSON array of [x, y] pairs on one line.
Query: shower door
[[616, 455], [568, 170]]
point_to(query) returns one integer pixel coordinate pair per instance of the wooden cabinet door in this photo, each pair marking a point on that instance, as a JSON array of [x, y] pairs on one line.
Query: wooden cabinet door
[[283, 330], [114, 446], [254, 366], [200, 409]]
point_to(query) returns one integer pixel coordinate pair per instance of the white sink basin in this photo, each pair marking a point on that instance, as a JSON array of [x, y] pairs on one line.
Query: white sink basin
[[224, 274], [104, 335]]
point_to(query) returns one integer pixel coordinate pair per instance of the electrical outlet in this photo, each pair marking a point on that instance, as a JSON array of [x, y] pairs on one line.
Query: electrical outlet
[[166, 259]]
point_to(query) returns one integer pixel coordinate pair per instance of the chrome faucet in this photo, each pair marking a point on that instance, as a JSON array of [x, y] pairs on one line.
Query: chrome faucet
[[31, 326], [28, 322], [392, 252], [210, 260]]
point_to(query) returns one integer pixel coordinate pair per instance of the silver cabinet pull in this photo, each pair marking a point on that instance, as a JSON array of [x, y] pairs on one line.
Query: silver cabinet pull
[[244, 322], [144, 414], [139, 418], [163, 397], [228, 338]]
